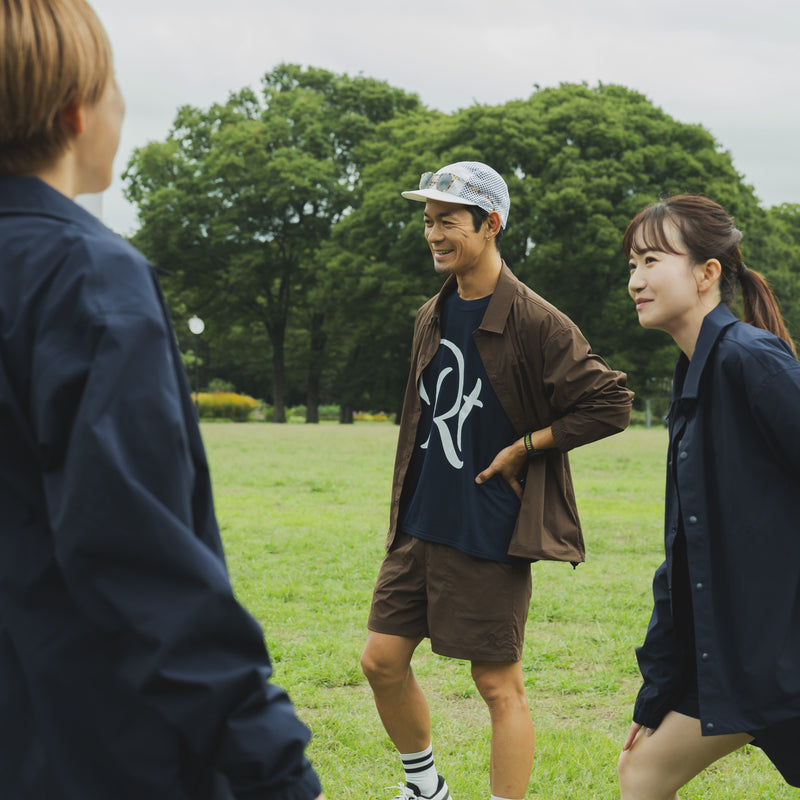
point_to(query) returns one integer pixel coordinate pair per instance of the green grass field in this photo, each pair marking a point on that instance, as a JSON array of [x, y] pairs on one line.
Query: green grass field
[[304, 510]]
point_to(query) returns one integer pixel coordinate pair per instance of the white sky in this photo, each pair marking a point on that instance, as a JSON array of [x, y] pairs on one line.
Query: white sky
[[732, 66]]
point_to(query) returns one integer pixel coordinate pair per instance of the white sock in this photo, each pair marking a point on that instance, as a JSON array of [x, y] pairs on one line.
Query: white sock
[[420, 770], [495, 797]]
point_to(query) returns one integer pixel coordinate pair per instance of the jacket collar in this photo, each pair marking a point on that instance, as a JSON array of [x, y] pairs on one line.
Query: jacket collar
[[496, 314], [494, 320], [30, 196], [689, 372]]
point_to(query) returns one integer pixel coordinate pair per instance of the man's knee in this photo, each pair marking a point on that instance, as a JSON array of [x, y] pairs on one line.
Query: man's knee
[[500, 685], [386, 659], [374, 664]]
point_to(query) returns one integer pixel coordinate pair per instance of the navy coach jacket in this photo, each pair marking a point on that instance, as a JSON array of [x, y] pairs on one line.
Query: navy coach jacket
[[735, 464], [127, 668]]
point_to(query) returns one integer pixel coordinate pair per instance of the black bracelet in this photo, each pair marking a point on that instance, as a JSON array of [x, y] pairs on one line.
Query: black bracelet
[[530, 450]]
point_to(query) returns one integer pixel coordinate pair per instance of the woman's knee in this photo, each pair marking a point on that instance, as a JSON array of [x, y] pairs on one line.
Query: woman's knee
[[624, 776], [637, 782]]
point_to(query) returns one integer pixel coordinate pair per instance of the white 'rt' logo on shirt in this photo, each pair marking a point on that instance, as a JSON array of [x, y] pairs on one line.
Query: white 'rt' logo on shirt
[[461, 408]]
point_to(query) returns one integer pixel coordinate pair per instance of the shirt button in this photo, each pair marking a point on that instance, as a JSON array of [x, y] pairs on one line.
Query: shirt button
[[684, 455], [700, 587], [693, 519], [704, 657], [709, 726]]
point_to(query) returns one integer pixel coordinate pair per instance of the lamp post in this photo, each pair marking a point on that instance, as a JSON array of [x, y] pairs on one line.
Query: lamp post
[[196, 326]]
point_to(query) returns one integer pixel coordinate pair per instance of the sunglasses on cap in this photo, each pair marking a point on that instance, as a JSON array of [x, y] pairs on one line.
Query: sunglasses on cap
[[448, 182], [443, 181]]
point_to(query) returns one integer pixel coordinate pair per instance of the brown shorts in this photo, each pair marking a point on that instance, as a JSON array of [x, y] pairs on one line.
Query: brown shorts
[[469, 607]]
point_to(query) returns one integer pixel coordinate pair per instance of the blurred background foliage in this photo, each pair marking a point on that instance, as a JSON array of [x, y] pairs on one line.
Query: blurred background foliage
[[277, 218]]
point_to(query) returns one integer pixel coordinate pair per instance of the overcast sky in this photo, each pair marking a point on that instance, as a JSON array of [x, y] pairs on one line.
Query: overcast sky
[[733, 66]]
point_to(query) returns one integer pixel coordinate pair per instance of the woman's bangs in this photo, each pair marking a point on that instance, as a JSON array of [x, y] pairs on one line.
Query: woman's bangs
[[650, 230]]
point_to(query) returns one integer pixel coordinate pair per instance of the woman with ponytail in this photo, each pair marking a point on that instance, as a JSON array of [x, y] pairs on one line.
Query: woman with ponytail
[[721, 658]]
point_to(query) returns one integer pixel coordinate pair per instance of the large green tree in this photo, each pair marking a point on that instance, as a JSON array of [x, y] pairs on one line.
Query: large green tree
[[237, 201], [580, 162], [377, 266], [282, 213]]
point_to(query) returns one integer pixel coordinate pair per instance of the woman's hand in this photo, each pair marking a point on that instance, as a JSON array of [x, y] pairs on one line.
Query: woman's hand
[[633, 733]]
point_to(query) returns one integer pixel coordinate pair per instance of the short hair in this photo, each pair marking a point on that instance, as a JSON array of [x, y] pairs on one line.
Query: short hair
[[53, 53], [479, 215]]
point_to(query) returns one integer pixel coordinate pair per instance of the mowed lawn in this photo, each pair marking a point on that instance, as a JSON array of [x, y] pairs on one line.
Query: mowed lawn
[[304, 510]]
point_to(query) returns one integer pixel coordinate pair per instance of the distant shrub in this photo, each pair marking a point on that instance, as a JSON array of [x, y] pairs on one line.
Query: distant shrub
[[640, 418], [226, 405], [380, 416], [296, 414], [220, 385], [329, 412]]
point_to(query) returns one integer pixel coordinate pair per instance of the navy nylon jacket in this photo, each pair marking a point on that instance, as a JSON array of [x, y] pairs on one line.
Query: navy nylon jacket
[[735, 454], [127, 668]]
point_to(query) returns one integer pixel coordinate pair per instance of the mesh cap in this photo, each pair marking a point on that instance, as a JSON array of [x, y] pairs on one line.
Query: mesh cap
[[467, 183]]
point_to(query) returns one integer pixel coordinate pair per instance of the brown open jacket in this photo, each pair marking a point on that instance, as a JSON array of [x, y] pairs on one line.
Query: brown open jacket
[[544, 373]]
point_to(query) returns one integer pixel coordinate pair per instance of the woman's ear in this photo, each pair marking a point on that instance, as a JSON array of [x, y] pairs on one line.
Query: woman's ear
[[707, 274]]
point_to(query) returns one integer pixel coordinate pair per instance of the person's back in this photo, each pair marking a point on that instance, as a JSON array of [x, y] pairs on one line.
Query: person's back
[[127, 668], [71, 525]]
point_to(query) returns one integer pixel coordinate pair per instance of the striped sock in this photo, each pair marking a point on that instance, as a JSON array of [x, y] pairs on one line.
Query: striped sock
[[420, 770]]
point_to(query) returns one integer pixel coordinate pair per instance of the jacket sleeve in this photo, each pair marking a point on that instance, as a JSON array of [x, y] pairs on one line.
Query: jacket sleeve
[[774, 403], [591, 399], [129, 505], [659, 659]]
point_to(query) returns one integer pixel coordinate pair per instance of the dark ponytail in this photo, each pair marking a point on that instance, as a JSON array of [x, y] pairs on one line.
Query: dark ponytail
[[760, 306], [709, 232]]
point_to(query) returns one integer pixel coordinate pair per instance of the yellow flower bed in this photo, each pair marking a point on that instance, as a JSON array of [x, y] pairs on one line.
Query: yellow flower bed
[[225, 405], [362, 416]]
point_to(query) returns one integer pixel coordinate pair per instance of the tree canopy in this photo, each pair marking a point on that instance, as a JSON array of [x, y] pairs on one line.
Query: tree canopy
[[237, 201], [282, 213]]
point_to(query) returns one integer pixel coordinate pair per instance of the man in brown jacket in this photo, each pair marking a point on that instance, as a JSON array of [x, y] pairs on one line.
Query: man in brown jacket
[[501, 386]]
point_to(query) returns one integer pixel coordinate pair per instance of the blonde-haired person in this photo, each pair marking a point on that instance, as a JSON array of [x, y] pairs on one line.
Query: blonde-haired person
[[127, 668], [721, 658]]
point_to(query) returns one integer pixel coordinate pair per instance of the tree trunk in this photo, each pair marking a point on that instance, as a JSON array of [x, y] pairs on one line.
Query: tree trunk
[[277, 337], [316, 359], [348, 394]]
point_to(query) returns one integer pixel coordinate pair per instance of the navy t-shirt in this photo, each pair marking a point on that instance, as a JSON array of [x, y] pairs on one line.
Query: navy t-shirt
[[461, 430]]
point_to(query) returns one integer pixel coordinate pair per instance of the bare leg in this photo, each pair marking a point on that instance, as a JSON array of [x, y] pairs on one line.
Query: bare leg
[[660, 762], [401, 704], [502, 687]]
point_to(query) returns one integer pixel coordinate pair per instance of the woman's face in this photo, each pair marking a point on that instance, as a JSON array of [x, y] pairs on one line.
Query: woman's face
[[664, 287]]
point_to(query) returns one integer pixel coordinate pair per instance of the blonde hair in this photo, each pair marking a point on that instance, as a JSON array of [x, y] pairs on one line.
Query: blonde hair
[[53, 54]]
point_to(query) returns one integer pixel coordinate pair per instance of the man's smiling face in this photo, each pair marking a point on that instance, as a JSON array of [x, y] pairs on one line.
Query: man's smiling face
[[455, 244]]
